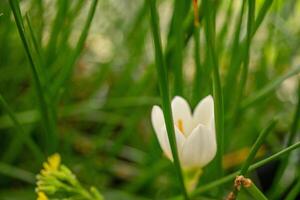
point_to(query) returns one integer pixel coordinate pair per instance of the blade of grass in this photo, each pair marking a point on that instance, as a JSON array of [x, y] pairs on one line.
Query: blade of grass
[[11, 152], [164, 90], [17, 173], [255, 192], [56, 28], [275, 191], [246, 57], [254, 149], [178, 47], [67, 70], [256, 146], [217, 88], [294, 192], [262, 93], [233, 67], [254, 166], [261, 14], [50, 138], [198, 75]]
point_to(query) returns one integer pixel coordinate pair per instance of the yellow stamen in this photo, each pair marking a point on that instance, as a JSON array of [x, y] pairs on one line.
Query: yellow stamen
[[180, 125]]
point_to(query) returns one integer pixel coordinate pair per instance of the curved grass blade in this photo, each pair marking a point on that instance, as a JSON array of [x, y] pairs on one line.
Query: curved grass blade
[[164, 90], [252, 167], [50, 138]]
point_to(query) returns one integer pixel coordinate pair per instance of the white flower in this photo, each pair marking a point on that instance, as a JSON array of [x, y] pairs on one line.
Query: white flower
[[195, 134]]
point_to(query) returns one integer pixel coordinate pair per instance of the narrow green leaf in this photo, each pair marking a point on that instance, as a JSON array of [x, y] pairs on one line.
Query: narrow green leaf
[[17, 173], [266, 90], [49, 126], [164, 90], [255, 192], [256, 165], [256, 146], [21, 137], [178, 47], [275, 191], [67, 70], [217, 88]]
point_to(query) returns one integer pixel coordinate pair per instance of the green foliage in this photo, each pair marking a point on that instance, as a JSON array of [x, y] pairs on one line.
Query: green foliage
[[80, 77]]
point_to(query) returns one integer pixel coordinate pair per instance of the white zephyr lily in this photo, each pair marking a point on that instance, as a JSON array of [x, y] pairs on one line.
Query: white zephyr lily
[[195, 134]]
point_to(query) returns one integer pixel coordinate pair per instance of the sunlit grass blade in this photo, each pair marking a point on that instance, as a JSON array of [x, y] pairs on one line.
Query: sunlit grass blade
[[62, 10], [67, 70], [275, 191], [50, 138], [262, 14], [231, 75], [18, 139], [252, 167], [164, 90], [269, 88], [246, 56]]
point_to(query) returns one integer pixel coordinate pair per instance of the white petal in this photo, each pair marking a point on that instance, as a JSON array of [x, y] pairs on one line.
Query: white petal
[[204, 112], [180, 139], [199, 148], [157, 119], [182, 112]]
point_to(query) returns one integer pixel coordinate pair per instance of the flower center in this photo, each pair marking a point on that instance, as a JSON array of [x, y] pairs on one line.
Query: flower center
[[180, 125]]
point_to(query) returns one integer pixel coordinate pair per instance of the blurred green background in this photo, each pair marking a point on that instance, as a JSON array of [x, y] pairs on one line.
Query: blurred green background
[[92, 84]]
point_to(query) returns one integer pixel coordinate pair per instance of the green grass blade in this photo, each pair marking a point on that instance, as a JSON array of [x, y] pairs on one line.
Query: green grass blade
[[275, 191], [231, 75], [256, 165], [256, 146], [67, 70], [217, 88], [266, 90], [199, 72], [17, 173], [255, 192], [178, 47], [164, 90], [261, 14], [11, 152], [50, 138], [246, 56], [294, 192], [253, 151]]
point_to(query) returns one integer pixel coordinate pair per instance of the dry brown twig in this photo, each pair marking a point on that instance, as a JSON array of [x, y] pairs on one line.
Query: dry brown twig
[[240, 181]]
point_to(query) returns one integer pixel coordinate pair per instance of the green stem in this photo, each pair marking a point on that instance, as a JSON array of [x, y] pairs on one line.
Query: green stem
[[246, 57], [198, 75], [217, 89], [164, 90], [292, 195], [178, 47], [255, 192], [256, 165], [253, 151], [21, 136], [49, 125], [256, 146], [275, 191]]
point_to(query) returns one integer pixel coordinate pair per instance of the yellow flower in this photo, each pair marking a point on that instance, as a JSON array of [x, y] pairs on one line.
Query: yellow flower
[[42, 196], [52, 164]]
